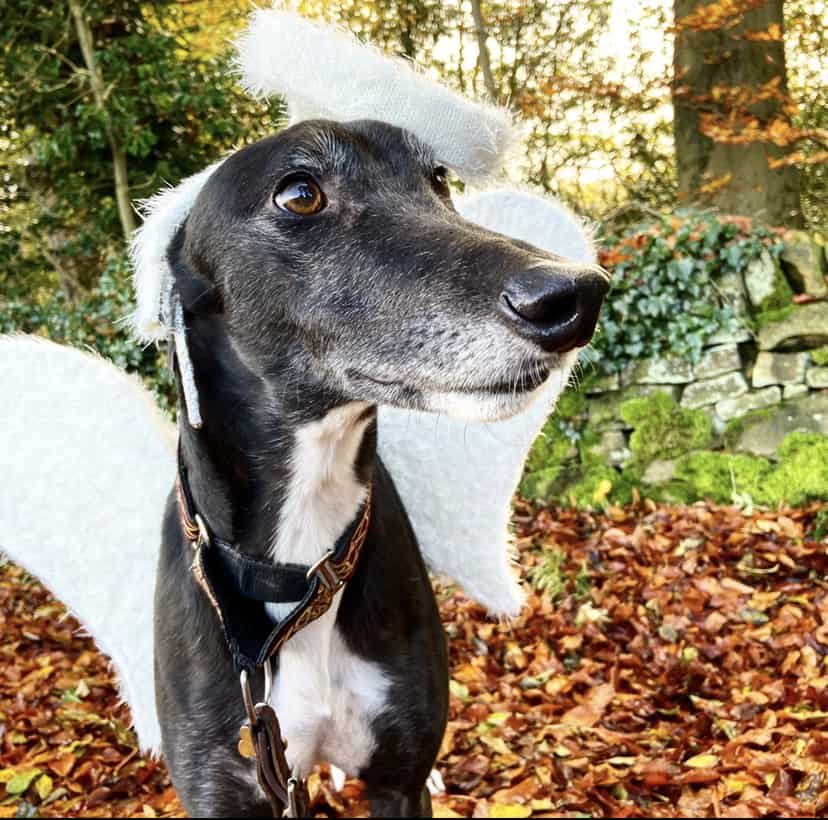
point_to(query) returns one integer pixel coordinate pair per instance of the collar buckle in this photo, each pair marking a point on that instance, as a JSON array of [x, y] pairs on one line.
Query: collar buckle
[[326, 572], [203, 538]]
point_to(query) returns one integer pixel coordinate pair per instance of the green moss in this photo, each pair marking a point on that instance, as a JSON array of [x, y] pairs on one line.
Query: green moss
[[770, 317], [539, 485], [551, 447], [598, 484], [545, 462], [782, 293], [719, 476], [664, 430], [820, 356], [589, 439], [673, 492], [800, 476], [802, 473], [572, 403]]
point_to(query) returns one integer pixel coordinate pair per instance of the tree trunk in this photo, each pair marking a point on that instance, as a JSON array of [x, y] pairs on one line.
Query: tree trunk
[[736, 178], [119, 164], [483, 58]]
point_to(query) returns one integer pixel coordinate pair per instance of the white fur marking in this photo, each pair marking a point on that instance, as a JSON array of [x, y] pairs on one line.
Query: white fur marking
[[435, 783], [326, 696]]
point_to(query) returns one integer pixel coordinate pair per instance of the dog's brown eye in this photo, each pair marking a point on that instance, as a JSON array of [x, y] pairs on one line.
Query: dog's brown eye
[[300, 195], [439, 176]]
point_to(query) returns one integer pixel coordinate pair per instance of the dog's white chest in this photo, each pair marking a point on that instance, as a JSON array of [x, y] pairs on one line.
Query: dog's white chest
[[326, 699]]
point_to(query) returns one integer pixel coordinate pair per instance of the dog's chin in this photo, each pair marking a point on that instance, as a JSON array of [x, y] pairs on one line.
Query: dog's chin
[[485, 404], [480, 406]]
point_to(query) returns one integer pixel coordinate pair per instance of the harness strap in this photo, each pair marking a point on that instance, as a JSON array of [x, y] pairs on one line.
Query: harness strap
[[238, 587]]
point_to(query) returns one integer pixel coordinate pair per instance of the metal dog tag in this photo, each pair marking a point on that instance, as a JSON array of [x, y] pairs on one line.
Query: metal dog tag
[[247, 748]]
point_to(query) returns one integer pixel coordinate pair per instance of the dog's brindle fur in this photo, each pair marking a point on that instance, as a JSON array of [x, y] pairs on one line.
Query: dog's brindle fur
[[298, 328]]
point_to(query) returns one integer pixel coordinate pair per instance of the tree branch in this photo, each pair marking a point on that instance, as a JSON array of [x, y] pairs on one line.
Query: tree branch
[[483, 57], [100, 93]]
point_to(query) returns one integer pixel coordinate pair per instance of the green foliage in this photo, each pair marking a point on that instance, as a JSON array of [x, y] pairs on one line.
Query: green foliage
[[820, 527], [94, 323], [721, 476], [820, 356], [548, 574], [667, 295], [171, 110], [597, 484], [664, 430], [801, 474]]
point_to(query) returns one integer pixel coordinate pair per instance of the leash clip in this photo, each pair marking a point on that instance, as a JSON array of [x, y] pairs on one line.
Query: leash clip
[[292, 809], [248, 729], [326, 573]]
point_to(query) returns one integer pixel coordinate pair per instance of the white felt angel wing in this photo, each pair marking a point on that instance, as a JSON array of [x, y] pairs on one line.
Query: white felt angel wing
[[87, 463]]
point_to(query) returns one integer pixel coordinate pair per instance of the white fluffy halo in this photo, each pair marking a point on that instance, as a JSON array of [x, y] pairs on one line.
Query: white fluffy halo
[[325, 72]]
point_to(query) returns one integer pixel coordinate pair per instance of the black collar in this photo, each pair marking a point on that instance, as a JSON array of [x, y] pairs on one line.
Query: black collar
[[238, 586]]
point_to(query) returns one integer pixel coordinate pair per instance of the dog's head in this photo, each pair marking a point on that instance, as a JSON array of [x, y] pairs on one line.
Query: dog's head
[[339, 243]]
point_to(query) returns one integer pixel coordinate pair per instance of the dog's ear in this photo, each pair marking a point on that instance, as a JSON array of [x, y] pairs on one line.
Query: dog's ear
[[197, 293], [150, 247]]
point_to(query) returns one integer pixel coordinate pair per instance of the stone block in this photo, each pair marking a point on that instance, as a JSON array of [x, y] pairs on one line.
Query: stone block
[[710, 391], [638, 391], [817, 378], [603, 384], [794, 391], [612, 448], [804, 263], [766, 284], [603, 411], [804, 326], [660, 471], [733, 408], [737, 336], [670, 370], [732, 288], [718, 360], [779, 368], [764, 436]]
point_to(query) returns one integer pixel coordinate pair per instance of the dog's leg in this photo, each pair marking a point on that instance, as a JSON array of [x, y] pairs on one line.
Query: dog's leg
[[389, 803]]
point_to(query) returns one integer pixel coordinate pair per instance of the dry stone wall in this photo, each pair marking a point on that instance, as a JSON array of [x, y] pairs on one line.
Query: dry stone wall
[[756, 385]]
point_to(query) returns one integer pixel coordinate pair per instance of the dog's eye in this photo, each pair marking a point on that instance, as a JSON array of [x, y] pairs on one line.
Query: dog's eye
[[300, 195], [439, 176]]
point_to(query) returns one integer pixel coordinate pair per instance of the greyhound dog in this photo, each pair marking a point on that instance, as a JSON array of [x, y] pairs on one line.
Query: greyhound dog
[[324, 271]]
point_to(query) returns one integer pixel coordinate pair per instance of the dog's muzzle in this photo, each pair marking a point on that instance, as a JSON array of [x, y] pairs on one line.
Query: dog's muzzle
[[556, 309]]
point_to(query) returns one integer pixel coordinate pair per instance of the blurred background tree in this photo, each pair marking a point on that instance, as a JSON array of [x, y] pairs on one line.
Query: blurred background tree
[[104, 101]]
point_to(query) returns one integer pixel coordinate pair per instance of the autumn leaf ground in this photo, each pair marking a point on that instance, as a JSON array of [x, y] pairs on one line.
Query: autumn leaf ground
[[672, 662]]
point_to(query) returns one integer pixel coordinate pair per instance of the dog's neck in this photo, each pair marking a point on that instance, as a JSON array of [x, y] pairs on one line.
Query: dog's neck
[[282, 464]]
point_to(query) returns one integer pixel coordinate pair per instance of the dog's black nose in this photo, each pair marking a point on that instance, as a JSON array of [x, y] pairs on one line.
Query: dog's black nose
[[557, 310]]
